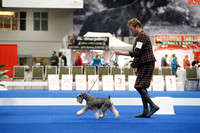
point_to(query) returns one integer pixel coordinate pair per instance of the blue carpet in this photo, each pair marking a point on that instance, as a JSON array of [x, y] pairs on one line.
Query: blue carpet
[[63, 119], [73, 94]]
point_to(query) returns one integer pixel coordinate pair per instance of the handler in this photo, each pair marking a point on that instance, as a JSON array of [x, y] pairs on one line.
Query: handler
[[144, 64]]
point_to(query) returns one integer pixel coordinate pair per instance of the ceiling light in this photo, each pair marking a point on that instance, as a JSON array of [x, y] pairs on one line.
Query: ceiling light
[[6, 13]]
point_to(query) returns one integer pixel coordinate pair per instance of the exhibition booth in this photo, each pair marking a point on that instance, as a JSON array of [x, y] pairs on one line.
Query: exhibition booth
[[103, 44]]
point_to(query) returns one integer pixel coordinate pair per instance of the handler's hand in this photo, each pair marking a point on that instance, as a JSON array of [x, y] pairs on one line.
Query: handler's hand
[[117, 52], [135, 70]]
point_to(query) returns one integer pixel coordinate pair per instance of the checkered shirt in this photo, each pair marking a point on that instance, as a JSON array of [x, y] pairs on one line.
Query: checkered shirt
[[142, 54]]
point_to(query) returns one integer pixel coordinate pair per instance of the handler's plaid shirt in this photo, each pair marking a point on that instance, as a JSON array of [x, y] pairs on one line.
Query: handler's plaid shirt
[[142, 50]]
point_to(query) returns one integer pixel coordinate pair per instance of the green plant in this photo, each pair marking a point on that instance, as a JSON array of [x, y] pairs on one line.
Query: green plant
[[3, 74]]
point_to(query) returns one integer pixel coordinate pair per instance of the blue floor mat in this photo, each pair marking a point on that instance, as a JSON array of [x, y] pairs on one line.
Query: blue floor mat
[[63, 119], [114, 94]]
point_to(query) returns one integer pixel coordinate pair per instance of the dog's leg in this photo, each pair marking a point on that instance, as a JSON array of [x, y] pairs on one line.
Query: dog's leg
[[114, 111], [82, 111], [96, 113], [104, 111]]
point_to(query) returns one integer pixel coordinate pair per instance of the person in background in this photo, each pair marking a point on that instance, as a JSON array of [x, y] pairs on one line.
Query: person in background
[[96, 62], [164, 61], [64, 59], [195, 62], [37, 62], [186, 62], [54, 59], [78, 61], [144, 63], [174, 64], [61, 61]]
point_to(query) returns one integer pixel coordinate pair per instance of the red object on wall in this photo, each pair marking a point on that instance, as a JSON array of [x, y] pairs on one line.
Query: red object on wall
[[8, 56], [197, 54]]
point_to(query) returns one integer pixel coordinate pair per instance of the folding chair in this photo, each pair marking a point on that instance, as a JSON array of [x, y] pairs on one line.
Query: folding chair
[[37, 72], [63, 70], [76, 70], [166, 71], [90, 70], [19, 72], [127, 72], [156, 71], [103, 70], [50, 70], [116, 70], [192, 82]]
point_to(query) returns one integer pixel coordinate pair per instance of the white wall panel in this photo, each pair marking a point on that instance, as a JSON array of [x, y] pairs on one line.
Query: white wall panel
[[43, 3]]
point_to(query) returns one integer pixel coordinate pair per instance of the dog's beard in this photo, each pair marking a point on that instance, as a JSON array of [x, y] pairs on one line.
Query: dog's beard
[[79, 99]]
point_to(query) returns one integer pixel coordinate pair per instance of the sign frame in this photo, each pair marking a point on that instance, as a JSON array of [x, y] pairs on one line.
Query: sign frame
[[67, 82], [80, 81], [53, 82], [120, 82], [107, 83], [93, 79]]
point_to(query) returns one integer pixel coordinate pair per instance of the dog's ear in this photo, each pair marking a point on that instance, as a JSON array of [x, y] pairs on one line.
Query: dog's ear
[[80, 95], [84, 94]]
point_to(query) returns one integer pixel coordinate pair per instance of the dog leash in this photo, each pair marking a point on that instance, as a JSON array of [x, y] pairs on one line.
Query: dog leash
[[100, 74]]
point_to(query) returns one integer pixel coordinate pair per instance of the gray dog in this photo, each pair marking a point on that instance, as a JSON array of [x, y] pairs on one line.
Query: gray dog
[[94, 103]]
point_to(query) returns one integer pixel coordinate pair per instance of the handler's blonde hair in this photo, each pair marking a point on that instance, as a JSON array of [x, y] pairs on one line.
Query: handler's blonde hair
[[134, 22]]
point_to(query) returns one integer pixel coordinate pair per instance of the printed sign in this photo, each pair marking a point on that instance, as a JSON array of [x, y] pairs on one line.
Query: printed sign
[[170, 83], [158, 83], [53, 82], [177, 39], [88, 43], [193, 2], [131, 82], [93, 81], [66, 82], [80, 82], [120, 83], [107, 81]]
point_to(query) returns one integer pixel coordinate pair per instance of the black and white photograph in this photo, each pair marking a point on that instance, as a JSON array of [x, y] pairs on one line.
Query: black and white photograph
[[157, 17]]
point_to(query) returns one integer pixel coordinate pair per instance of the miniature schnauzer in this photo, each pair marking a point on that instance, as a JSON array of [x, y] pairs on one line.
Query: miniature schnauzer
[[93, 103]]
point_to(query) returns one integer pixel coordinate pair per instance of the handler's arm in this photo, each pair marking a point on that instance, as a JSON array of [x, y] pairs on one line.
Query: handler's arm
[[121, 53]]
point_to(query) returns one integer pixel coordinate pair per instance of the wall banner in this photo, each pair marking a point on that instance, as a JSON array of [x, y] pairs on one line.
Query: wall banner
[[89, 43], [177, 39]]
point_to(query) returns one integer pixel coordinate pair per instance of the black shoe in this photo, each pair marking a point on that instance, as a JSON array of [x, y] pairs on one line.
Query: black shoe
[[152, 111], [141, 115]]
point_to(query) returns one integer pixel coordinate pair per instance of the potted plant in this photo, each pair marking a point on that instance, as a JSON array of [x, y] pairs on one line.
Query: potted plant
[[3, 75]]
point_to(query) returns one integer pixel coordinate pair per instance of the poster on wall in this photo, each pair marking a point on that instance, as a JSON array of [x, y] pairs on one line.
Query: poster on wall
[[106, 16]]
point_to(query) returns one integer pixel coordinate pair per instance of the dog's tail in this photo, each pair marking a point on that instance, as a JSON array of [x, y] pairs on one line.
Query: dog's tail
[[109, 97]]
